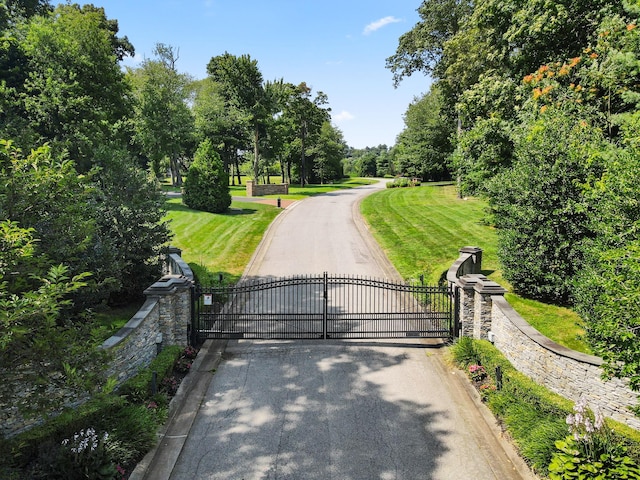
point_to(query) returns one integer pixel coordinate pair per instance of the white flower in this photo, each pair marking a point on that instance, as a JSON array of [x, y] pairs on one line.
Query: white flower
[[599, 420], [588, 426]]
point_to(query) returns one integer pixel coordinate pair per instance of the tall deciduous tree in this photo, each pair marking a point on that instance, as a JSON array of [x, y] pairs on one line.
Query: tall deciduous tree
[[426, 140], [222, 122], [74, 94], [164, 125], [307, 116], [328, 154], [421, 49], [243, 86]]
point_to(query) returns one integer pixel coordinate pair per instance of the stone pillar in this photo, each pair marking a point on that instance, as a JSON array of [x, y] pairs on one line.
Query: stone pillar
[[249, 188], [475, 265], [466, 286], [174, 298], [484, 290]]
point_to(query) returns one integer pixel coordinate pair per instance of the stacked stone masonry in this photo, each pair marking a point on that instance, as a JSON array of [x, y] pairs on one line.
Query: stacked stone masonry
[[485, 314], [256, 190]]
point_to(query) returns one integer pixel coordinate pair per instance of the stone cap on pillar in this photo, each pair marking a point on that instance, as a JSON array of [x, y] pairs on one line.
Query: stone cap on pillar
[[468, 282], [168, 284], [489, 287]]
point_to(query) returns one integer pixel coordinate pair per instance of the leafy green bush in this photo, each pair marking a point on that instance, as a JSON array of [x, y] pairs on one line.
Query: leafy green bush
[[541, 208], [138, 388], [534, 417], [400, 182], [206, 187]]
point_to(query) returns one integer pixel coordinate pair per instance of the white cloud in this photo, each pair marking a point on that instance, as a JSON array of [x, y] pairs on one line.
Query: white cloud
[[378, 24], [343, 116]]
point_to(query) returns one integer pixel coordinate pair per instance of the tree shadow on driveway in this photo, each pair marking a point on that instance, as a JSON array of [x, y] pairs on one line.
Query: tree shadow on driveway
[[338, 410]]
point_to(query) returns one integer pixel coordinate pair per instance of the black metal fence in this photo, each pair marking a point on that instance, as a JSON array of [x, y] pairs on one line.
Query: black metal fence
[[324, 306]]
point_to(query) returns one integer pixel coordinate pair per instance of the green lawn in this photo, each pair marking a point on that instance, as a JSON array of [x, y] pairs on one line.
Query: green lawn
[[219, 243], [421, 229]]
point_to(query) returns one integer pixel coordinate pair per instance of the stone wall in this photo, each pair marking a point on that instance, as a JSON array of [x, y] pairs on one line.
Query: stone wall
[[256, 190], [162, 320], [485, 314]]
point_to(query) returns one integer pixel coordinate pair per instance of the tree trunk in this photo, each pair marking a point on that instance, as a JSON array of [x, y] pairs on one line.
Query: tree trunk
[[176, 178], [237, 167], [302, 169], [256, 158]]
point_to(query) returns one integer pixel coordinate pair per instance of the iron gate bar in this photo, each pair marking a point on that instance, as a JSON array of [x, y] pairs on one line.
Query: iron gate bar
[[327, 306]]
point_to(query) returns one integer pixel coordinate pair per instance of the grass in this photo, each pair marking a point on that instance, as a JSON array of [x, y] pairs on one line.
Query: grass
[[422, 228], [219, 243]]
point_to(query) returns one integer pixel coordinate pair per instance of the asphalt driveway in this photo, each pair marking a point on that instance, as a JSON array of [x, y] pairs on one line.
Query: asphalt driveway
[[341, 410]]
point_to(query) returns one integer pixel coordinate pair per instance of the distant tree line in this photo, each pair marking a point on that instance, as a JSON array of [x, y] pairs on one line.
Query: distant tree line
[[535, 106]]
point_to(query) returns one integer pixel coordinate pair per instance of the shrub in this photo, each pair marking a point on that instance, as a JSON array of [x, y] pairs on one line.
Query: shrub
[[138, 388], [534, 417], [206, 187], [541, 208], [400, 182], [591, 451]]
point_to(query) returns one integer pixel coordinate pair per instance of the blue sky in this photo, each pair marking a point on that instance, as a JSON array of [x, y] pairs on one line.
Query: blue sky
[[338, 47]]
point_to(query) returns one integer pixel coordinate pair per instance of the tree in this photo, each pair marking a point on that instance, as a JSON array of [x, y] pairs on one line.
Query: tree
[[130, 228], [482, 152], [426, 139], [207, 184], [421, 49], [222, 122], [74, 94], [307, 117], [242, 86], [328, 154], [163, 122]]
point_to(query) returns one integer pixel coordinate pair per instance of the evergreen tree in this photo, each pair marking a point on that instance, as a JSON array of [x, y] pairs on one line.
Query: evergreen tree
[[207, 185]]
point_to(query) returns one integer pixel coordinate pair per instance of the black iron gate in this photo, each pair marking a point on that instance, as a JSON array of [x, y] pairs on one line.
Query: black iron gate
[[325, 306]]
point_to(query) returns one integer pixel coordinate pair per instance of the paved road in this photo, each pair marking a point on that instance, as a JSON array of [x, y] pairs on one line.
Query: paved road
[[320, 234], [328, 410]]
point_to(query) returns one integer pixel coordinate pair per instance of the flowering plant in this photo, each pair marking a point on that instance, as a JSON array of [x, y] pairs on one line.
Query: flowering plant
[[486, 389], [183, 365], [477, 373], [170, 385], [591, 451], [85, 456], [190, 352]]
